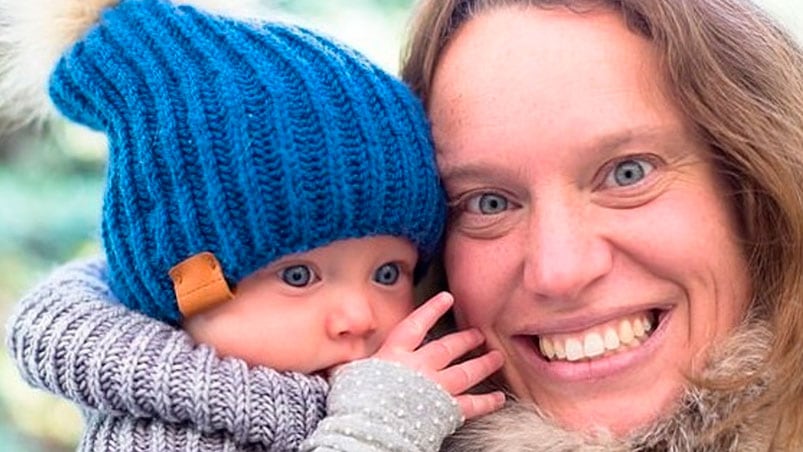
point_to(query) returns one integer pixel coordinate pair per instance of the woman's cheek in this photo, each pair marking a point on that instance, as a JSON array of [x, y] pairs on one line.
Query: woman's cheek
[[476, 278]]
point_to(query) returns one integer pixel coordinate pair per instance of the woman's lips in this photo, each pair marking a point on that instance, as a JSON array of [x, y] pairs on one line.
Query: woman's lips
[[596, 352]]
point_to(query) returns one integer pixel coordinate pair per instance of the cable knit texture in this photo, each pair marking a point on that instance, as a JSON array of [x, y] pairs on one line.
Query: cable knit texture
[[248, 140], [106, 433], [71, 338]]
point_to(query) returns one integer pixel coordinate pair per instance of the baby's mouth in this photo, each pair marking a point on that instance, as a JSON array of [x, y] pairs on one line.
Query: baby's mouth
[[602, 340]]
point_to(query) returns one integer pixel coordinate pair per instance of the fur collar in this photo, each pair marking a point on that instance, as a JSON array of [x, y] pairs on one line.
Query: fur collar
[[521, 427]]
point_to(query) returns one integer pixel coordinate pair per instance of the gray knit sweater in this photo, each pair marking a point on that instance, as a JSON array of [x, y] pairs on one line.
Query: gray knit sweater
[[144, 385]]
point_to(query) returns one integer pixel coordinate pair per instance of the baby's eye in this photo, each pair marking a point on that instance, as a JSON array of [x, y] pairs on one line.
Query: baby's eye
[[486, 204], [387, 274], [297, 275], [628, 172]]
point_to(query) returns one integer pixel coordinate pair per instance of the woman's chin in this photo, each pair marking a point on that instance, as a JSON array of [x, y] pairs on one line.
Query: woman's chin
[[620, 417], [614, 424]]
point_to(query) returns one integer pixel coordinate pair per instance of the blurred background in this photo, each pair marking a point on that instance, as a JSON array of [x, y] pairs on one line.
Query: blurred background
[[51, 187]]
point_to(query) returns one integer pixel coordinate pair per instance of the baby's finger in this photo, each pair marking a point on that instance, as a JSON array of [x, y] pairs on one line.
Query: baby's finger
[[442, 351], [475, 405], [410, 332], [463, 376]]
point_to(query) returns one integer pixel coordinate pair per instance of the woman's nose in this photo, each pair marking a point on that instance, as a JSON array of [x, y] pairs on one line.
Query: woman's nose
[[564, 251], [351, 316]]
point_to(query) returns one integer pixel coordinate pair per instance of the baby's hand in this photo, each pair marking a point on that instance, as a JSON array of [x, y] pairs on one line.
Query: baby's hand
[[434, 358]]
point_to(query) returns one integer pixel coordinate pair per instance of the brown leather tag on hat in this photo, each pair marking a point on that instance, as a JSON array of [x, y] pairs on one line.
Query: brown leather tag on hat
[[199, 284]]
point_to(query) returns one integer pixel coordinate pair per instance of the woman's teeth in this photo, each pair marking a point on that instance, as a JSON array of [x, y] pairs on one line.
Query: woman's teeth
[[606, 339]]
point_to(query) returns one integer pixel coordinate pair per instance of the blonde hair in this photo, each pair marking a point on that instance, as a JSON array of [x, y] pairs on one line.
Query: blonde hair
[[738, 76]]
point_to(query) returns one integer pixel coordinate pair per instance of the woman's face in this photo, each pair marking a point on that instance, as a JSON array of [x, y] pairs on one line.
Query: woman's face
[[591, 240]]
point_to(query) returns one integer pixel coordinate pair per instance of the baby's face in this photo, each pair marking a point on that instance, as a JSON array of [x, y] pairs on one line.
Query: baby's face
[[311, 311]]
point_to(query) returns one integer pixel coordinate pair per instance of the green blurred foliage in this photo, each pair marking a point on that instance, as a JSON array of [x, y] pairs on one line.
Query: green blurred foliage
[[51, 184]]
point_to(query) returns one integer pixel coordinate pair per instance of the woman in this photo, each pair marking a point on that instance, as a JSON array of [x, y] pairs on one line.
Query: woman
[[634, 171]]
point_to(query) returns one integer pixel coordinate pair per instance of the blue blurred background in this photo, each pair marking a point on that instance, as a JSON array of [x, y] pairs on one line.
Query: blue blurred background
[[51, 185]]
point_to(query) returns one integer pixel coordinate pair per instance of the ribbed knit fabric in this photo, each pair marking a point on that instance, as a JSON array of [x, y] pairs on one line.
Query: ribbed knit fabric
[[248, 140], [69, 337], [144, 386]]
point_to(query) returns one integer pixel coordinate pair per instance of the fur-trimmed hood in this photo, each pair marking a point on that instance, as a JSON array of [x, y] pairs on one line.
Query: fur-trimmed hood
[[690, 427]]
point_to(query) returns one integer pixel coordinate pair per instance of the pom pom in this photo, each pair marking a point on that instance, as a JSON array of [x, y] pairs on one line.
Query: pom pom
[[35, 33]]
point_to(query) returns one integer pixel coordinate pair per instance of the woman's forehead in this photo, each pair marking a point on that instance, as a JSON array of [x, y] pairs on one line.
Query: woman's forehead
[[510, 72]]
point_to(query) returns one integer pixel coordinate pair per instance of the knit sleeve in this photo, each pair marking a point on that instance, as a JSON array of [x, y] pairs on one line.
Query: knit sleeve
[[104, 433], [378, 406], [69, 337]]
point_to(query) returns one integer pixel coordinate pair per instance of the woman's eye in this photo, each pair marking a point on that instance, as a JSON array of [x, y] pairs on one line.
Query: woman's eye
[[628, 172], [487, 204], [297, 275], [387, 274]]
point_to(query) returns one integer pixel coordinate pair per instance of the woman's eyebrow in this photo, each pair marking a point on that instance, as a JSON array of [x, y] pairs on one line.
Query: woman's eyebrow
[[640, 136], [474, 171], [671, 138]]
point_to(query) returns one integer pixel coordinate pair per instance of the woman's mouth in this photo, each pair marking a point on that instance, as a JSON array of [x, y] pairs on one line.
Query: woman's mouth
[[603, 340]]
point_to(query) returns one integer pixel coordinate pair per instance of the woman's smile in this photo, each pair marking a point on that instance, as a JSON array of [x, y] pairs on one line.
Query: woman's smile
[[609, 338], [596, 352]]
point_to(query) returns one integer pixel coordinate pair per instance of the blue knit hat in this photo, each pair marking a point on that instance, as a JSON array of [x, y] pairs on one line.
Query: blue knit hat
[[247, 140]]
